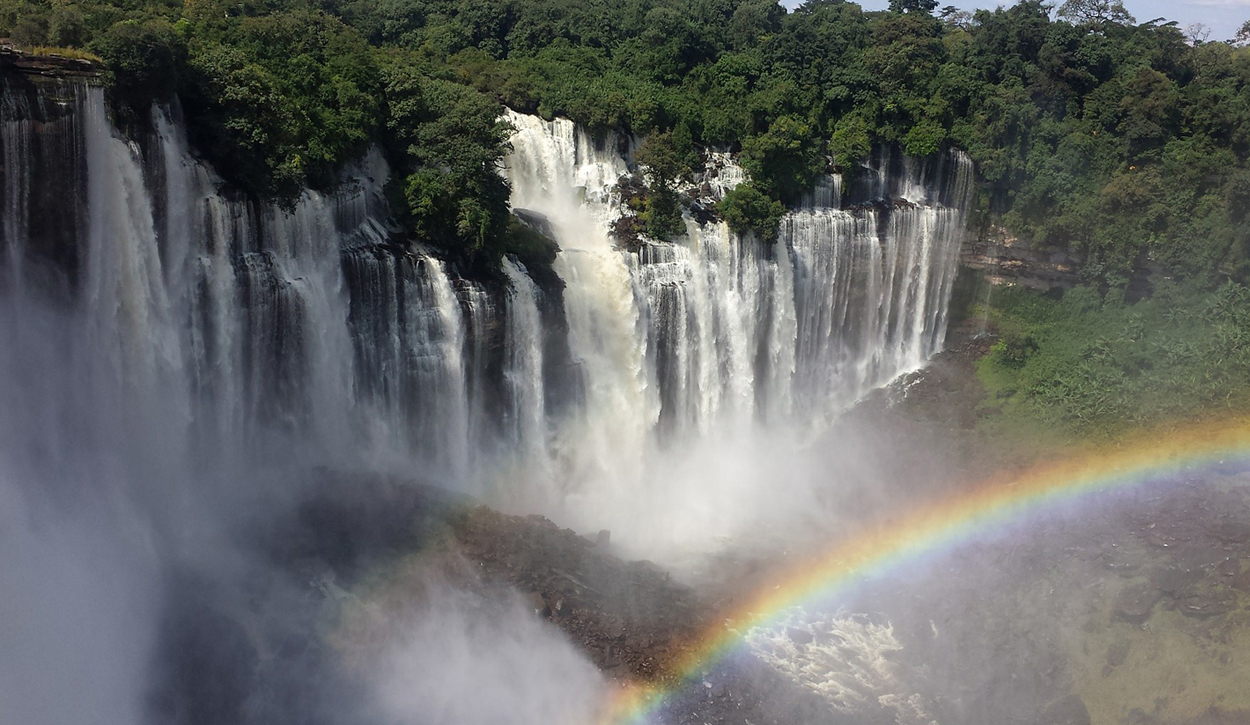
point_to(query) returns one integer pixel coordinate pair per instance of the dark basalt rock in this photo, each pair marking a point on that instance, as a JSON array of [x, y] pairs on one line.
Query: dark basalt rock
[[1118, 652], [799, 636], [1241, 582], [1232, 532], [703, 214], [1070, 710], [536, 221], [49, 65], [1135, 602], [1203, 603], [1173, 580]]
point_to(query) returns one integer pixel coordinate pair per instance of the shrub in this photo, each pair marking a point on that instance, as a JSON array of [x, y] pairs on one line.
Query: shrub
[[747, 209]]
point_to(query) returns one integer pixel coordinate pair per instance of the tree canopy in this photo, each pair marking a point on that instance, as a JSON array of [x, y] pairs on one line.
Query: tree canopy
[[1126, 143]]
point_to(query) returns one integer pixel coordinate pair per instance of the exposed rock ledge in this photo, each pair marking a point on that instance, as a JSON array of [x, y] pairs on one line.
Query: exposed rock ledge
[[1007, 260], [49, 65]]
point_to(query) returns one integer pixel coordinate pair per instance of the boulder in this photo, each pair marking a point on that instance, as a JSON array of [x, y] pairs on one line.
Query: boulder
[[1070, 710], [1135, 602]]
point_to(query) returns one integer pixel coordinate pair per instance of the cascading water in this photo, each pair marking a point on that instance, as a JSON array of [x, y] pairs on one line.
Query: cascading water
[[871, 297], [174, 358], [560, 171], [730, 336], [523, 365], [229, 324]]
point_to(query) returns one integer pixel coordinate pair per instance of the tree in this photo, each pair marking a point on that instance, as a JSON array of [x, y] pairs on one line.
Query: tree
[[1096, 12], [786, 159], [1242, 38], [913, 6], [953, 17], [664, 158], [1197, 33], [747, 209]]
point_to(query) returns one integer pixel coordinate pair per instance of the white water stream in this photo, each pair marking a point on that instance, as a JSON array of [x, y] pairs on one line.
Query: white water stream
[[697, 350]]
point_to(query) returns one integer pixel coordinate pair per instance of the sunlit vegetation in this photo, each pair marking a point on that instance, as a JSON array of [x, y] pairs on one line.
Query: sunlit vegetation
[[1125, 142], [1092, 366]]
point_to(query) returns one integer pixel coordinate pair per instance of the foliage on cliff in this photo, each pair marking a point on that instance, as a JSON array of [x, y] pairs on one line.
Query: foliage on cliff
[[1126, 142], [1090, 365]]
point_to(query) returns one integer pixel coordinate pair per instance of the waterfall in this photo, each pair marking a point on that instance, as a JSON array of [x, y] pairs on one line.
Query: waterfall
[[698, 346], [228, 329], [523, 363], [871, 294], [225, 327], [560, 171], [15, 143], [180, 366], [729, 329]]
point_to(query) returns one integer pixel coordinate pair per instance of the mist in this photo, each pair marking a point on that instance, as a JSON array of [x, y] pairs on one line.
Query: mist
[[460, 656], [175, 550]]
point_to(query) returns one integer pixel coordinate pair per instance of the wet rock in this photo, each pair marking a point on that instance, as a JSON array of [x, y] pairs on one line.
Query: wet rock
[[1070, 710], [1118, 652], [799, 636], [1134, 603], [1121, 563], [1204, 603], [625, 615], [536, 221], [1232, 532], [1165, 536], [1215, 716], [1175, 579], [535, 602]]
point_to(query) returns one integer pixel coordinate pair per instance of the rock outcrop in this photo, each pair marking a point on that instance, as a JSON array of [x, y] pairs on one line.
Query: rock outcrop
[[1008, 260]]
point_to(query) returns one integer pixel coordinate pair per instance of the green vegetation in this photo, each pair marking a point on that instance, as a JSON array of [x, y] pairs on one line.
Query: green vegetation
[[53, 51], [1093, 366], [747, 209], [667, 156], [1125, 142]]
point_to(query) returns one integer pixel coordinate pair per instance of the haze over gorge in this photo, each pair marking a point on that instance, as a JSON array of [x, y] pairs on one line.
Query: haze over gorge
[[660, 362]]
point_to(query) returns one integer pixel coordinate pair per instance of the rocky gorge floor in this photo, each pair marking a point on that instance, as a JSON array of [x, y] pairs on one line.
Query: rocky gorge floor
[[1132, 610]]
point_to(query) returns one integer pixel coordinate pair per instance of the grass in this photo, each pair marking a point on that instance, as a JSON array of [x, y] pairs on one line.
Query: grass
[[57, 52]]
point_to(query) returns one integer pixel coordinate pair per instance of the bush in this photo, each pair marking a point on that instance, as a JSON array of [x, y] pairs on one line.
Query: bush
[[747, 210]]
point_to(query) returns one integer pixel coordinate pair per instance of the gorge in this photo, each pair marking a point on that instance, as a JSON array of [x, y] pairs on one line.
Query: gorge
[[250, 445], [187, 370], [628, 362]]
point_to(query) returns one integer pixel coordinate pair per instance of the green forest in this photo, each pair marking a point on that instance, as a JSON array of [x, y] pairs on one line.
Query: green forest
[[1125, 143]]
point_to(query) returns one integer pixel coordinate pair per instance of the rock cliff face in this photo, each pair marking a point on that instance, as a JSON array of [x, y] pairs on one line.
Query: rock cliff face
[[47, 65], [1005, 260]]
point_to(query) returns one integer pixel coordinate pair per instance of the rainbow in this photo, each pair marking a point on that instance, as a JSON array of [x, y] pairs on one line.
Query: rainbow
[[983, 510]]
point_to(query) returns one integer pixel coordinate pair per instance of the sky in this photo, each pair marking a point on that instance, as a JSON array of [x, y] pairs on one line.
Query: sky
[[1224, 17]]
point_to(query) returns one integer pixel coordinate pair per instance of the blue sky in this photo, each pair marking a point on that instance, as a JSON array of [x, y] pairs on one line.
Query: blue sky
[[1224, 17]]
